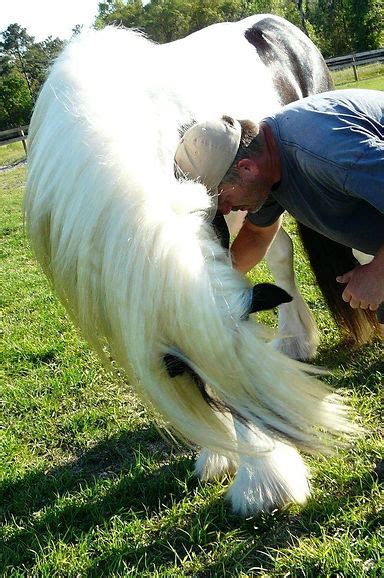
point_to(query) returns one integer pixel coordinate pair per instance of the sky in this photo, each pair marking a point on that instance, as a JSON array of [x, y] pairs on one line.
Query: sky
[[43, 18]]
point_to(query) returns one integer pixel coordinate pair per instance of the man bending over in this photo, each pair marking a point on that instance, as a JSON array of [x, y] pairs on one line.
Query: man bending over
[[321, 159]]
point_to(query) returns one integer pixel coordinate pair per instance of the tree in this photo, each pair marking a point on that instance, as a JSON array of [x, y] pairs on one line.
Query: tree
[[300, 5], [38, 59], [366, 18], [167, 20], [336, 26], [344, 26], [206, 13], [15, 44], [129, 14], [15, 101], [24, 66]]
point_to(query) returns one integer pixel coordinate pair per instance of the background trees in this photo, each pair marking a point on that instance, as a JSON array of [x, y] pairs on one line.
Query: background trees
[[336, 26], [345, 26], [23, 67]]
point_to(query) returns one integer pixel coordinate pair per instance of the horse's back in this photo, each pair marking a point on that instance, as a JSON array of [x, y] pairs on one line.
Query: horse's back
[[247, 69]]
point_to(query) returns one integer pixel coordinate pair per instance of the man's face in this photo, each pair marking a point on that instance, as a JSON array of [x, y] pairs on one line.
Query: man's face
[[244, 196]]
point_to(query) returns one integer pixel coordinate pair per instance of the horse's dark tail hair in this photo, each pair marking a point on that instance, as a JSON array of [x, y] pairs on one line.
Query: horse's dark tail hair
[[329, 259]]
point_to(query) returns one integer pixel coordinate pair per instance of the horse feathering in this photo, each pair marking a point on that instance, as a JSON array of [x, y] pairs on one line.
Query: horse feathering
[[126, 247]]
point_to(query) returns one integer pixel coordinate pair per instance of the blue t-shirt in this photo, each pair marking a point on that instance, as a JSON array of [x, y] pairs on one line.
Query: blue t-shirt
[[332, 167]]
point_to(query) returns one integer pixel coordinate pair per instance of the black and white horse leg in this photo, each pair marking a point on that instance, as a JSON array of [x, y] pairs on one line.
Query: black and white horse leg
[[274, 478], [298, 336]]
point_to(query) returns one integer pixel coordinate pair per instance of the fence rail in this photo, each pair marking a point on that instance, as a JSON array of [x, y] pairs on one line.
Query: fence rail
[[338, 63], [355, 60], [14, 135]]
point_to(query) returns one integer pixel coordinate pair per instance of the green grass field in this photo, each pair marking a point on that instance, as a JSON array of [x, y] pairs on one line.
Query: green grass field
[[90, 488], [11, 154], [370, 76]]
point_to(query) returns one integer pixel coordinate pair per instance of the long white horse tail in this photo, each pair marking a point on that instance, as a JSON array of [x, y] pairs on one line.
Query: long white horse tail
[[126, 247]]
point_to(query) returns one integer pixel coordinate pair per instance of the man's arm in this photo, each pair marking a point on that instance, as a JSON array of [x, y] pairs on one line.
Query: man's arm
[[252, 243], [365, 284]]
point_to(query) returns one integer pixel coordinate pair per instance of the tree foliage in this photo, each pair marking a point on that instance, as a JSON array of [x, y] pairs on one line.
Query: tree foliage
[[15, 101], [24, 64], [16, 43], [345, 26], [336, 26]]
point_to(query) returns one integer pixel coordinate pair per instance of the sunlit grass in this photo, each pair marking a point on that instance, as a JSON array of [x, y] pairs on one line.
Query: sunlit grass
[[90, 488], [11, 153], [370, 76]]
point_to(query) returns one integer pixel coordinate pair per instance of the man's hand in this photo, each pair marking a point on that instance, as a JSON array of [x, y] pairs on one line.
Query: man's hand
[[365, 284]]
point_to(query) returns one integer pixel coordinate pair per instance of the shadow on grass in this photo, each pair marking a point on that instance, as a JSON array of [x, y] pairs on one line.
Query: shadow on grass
[[71, 503], [346, 351], [106, 460], [134, 477], [363, 365], [117, 476], [252, 546], [12, 165], [45, 357]]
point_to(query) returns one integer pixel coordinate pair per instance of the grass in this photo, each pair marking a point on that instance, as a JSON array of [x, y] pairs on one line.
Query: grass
[[11, 154], [370, 76], [368, 83], [90, 488]]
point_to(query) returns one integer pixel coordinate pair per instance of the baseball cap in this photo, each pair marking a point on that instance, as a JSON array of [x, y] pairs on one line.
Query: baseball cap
[[207, 150]]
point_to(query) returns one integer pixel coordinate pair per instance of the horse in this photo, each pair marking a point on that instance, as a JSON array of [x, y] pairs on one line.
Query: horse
[[127, 247]]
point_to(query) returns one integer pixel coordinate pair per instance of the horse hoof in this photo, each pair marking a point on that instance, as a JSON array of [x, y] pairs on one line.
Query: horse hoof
[[271, 481]]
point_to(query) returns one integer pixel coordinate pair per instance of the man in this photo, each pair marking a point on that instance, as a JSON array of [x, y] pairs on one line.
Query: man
[[321, 159]]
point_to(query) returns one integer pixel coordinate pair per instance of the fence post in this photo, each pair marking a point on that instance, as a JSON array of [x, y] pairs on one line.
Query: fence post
[[23, 141], [354, 66]]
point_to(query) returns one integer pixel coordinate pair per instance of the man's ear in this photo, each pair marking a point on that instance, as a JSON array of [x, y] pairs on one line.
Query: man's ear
[[245, 165], [248, 169]]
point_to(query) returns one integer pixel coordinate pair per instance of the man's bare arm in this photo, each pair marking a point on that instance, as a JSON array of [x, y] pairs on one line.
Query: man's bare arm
[[251, 244]]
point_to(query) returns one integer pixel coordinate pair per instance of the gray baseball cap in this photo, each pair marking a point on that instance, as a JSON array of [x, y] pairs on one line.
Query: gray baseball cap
[[206, 151]]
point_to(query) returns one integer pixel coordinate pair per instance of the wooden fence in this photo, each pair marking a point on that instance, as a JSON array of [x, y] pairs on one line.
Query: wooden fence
[[348, 61], [14, 135], [355, 60]]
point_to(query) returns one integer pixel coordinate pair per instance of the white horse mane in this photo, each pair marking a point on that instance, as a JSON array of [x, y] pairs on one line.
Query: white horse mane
[[126, 247]]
